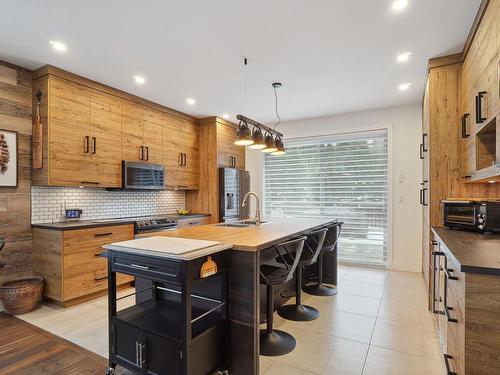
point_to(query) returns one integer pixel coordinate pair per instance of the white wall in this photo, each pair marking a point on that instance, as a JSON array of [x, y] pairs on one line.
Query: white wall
[[404, 124]]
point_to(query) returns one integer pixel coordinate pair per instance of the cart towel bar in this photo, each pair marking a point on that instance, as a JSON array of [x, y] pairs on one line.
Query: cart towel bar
[[192, 295], [133, 294], [208, 312]]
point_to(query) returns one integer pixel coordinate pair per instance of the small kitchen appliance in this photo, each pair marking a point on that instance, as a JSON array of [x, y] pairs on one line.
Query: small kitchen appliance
[[478, 216]]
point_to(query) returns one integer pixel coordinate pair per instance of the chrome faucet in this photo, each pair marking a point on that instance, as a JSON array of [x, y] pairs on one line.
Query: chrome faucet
[[257, 205]]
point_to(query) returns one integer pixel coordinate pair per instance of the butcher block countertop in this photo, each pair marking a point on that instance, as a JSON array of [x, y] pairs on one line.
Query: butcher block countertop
[[253, 238]]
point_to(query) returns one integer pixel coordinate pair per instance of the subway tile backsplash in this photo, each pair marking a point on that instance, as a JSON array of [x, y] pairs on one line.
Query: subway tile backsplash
[[47, 203]]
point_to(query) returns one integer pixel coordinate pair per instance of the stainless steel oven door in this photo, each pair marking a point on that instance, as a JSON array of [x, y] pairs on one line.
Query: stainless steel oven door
[[155, 232]]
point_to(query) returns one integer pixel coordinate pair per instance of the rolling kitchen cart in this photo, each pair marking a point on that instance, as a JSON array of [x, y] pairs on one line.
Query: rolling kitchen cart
[[179, 325]]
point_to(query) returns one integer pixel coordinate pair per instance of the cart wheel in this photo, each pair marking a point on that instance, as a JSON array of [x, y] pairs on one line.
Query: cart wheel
[[110, 371]]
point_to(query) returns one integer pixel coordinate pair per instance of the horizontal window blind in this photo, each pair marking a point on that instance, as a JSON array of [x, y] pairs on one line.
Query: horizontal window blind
[[343, 178]]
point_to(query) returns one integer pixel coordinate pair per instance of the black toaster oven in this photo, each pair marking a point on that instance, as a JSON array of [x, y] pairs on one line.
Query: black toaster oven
[[479, 216]]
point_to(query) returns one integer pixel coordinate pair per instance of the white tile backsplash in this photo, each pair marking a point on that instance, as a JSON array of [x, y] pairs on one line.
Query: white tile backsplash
[[47, 203]]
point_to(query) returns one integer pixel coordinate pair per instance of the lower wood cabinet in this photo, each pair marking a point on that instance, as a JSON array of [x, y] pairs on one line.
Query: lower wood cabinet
[[469, 319], [70, 261]]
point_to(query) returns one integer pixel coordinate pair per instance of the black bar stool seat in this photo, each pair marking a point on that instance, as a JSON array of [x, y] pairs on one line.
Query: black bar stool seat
[[274, 342], [329, 245], [312, 248]]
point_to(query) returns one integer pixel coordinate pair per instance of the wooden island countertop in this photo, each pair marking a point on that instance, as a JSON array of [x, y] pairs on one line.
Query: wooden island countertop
[[253, 238]]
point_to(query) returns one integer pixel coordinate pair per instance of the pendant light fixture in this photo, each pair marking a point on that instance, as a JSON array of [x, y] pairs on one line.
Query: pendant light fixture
[[243, 133], [280, 148], [258, 139], [270, 144]]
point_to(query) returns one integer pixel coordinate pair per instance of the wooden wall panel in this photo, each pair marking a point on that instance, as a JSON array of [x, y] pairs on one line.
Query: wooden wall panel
[[15, 205]]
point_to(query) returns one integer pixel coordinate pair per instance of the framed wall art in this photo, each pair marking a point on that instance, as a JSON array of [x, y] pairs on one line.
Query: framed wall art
[[8, 158]]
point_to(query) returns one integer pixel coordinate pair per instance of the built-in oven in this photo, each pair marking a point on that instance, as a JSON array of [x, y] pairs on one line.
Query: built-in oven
[[481, 216], [142, 176]]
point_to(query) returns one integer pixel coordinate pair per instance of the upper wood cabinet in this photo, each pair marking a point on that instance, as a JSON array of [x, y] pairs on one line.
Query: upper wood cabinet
[[89, 128], [80, 126], [141, 133], [229, 154], [181, 152]]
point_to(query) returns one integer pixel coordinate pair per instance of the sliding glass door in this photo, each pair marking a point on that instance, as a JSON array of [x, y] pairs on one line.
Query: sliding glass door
[[344, 177]]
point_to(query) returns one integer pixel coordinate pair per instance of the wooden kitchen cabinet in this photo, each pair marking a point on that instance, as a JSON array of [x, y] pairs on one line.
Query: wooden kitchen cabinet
[[228, 154], [71, 264], [181, 153], [153, 138]]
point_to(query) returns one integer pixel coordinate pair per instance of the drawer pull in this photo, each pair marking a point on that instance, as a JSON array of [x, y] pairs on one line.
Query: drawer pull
[[139, 266], [103, 234], [97, 255], [447, 357], [100, 278], [447, 310], [449, 274]]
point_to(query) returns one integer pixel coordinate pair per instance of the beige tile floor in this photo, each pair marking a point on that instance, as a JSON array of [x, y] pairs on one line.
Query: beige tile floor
[[378, 324]]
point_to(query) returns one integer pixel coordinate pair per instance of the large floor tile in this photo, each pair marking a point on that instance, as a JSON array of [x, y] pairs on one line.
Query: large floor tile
[[93, 337], [361, 289], [382, 361], [346, 357], [265, 363], [366, 275], [405, 278], [278, 368], [406, 338], [409, 313], [409, 293]]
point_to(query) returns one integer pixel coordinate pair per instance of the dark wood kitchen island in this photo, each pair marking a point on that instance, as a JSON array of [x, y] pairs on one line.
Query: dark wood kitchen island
[[244, 290]]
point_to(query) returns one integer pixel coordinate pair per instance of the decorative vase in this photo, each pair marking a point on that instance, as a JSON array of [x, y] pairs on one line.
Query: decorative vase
[[21, 295]]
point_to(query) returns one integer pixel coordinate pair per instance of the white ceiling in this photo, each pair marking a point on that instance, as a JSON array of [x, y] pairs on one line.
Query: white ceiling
[[333, 56]]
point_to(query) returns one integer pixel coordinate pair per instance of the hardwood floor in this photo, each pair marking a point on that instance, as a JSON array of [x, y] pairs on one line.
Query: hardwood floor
[[26, 349]]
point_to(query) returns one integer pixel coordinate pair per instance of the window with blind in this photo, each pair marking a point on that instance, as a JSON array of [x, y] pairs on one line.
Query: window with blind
[[344, 177]]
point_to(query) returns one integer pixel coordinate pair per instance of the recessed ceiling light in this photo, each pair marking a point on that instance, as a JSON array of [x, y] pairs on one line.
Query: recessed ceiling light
[[491, 182], [399, 5], [139, 80], [190, 101], [403, 57], [58, 46], [404, 86], [225, 116]]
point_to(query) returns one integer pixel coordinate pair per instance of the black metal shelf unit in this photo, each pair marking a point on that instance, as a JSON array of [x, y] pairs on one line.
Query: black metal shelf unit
[[179, 325]]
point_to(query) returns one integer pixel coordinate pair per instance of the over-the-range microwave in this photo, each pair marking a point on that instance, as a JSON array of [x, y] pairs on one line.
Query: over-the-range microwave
[[479, 216], [142, 176]]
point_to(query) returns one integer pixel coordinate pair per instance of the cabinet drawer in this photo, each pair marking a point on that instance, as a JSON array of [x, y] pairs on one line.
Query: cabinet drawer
[[152, 268], [185, 223], [92, 239], [456, 333], [87, 282]]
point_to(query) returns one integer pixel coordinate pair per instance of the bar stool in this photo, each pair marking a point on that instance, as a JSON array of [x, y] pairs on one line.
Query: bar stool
[[312, 248], [274, 342], [320, 289]]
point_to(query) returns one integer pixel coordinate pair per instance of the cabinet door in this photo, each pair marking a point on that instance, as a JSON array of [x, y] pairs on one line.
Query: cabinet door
[[225, 144], [105, 138], [188, 141], [132, 131], [153, 129], [69, 143], [163, 356], [126, 344], [171, 153]]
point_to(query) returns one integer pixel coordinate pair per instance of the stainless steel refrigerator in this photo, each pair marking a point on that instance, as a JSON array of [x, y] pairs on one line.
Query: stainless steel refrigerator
[[233, 185]]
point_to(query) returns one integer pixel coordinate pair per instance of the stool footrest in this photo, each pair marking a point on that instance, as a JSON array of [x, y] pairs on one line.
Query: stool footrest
[[298, 313]]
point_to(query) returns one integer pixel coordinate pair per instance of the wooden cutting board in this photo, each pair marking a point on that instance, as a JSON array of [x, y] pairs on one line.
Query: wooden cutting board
[[166, 245]]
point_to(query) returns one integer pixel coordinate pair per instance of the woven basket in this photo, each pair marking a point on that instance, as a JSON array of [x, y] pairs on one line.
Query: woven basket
[[20, 296]]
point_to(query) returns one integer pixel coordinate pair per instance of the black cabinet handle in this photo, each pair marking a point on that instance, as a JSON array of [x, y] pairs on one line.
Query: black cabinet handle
[[447, 310], [447, 357], [142, 153], [86, 144], [89, 182], [103, 234], [423, 197], [479, 107], [422, 151], [94, 145], [179, 159], [100, 278], [465, 117], [184, 158], [424, 143], [97, 255], [449, 275], [147, 153]]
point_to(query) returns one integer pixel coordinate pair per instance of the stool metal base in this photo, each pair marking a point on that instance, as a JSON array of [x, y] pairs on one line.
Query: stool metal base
[[276, 343], [298, 313], [320, 290]]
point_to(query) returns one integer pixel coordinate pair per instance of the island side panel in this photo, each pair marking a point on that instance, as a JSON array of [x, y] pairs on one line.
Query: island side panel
[[244, 307]]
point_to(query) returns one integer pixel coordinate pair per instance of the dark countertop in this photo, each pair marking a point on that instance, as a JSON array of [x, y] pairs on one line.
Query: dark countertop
[[96, 223], [475, 252]]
